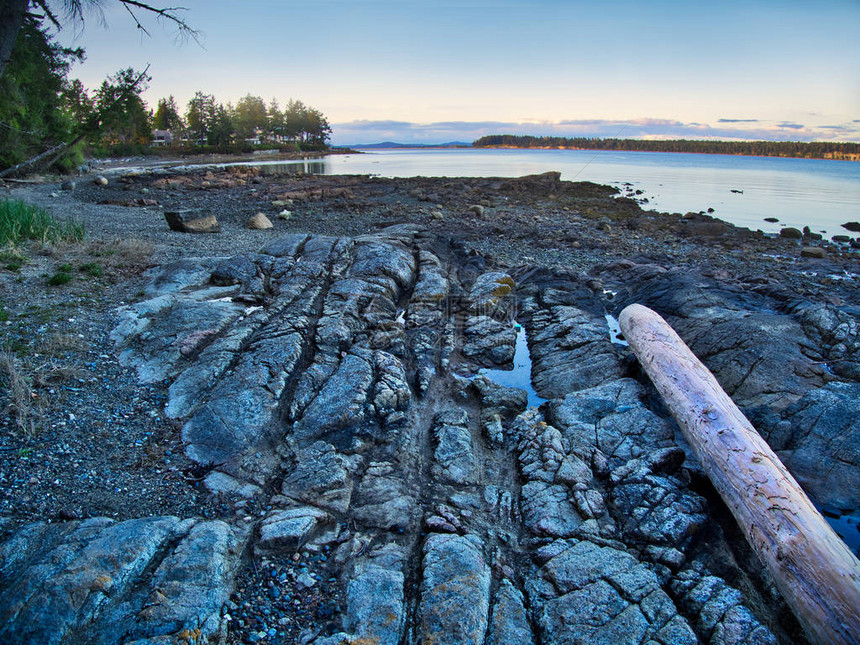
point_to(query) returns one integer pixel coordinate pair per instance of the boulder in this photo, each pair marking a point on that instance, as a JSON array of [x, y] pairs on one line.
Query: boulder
[[259, 222], [791, 233], [191, 221], [813, 252], [854, 227]]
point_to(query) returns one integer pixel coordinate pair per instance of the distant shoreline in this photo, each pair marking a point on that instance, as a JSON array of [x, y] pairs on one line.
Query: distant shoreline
[[786, 149]]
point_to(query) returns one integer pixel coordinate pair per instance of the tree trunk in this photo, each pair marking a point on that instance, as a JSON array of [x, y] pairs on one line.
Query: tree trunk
[[816, 572], [12, 14]]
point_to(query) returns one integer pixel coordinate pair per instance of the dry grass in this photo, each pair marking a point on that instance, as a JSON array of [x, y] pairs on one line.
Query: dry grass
[[20, 394], [58, 344], [122, 251]]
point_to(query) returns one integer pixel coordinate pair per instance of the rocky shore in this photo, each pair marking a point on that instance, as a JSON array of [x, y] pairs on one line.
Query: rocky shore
[[291, 435]]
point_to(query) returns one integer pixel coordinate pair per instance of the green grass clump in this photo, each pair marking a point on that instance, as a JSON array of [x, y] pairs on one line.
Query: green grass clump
[[20, 221], [62, 276], [92, 269]]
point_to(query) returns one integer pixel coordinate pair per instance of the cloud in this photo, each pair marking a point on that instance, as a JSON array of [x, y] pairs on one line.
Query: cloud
[[365, 131]]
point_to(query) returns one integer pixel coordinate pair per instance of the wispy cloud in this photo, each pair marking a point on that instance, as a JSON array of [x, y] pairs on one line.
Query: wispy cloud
[[365, 131]]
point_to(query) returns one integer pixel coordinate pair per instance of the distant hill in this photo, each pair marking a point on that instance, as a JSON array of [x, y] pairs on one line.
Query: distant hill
[[392, 144]]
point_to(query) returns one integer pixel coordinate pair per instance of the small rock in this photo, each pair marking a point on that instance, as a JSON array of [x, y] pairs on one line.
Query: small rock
[[807, 233], [259, 222], [437, 215], [772, 220], [305, 581], [68, 185], [100, 180], [813, 252], [842, 239], [477, 209], [791, 233], [854, 227], [604, 227], [285, 214]]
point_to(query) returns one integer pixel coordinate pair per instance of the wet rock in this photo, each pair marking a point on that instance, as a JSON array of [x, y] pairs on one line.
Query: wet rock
[[384, 500], [720, 615], [818, 439], [791, 233], [454, 459], [547, 510], [82, 581], [454, 570], [612, 419], [222, 483], [191, 221], [376, 607], [836, 334], [239, 409], [489, 341], [509, 622], [322, 477], [341, 401], [571, 350], [391, 394], [655, 508], [813, 252], [854, 227], [603, 594], [498, 403], [491, 295], [289, 529]]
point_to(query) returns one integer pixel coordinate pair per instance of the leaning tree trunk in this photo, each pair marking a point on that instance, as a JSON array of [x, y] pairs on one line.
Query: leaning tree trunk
[[815, 570]]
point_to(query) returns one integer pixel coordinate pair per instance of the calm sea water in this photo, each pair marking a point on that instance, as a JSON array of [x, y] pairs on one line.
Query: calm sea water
[[822, 194]]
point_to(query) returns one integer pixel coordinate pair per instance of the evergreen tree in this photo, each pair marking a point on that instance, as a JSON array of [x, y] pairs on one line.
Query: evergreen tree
[[200, 115], [32, 95], [166, 116], [122, 114], [249, 115]]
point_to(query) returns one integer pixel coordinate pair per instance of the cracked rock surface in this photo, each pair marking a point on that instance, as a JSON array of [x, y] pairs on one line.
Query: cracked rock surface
[[395, 495]]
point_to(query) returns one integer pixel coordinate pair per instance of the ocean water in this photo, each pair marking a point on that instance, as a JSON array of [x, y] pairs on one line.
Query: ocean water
[[821, 194]]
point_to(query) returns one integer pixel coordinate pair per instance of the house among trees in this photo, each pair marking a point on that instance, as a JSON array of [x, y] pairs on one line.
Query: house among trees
[[162, 137]]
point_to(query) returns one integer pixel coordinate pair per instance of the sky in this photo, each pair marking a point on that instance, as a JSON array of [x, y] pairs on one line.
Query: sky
[[433, 71]]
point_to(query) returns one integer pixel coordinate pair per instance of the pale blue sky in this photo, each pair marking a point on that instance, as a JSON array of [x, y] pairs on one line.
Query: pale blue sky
[[422, 71]]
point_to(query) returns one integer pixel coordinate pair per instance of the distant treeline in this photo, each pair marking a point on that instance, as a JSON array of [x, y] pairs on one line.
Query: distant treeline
[[811, 150]]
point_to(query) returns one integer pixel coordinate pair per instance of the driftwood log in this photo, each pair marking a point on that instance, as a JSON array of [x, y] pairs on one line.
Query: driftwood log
[[814, 570]]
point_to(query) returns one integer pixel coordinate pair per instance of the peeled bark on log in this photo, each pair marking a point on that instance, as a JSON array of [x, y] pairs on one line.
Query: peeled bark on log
[[816, 572]]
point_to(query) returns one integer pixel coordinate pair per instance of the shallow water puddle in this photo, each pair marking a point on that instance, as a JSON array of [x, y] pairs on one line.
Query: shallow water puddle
[[846, 526], [521, 374], [615, 335]]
